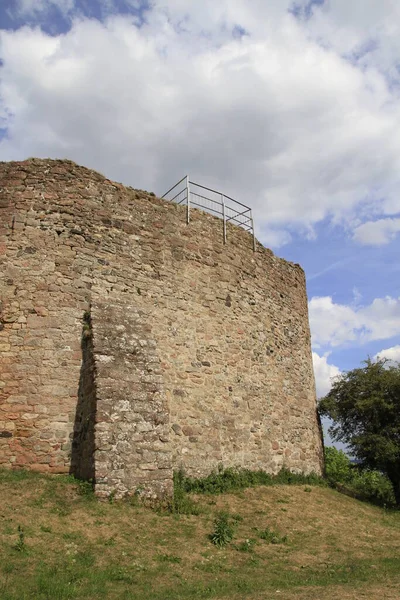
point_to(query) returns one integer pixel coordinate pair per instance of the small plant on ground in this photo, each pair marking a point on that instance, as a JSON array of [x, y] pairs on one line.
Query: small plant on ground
[[20, 546], [111, 541], [85, 489], [223, 530], [272, 537], [237, 518], [169, 558], [246, 545]]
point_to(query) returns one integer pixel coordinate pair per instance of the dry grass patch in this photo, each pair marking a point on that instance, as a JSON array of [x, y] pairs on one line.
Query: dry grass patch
[[76, 547]]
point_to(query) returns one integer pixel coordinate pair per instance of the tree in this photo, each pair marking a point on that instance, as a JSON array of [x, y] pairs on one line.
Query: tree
[[364, 405]]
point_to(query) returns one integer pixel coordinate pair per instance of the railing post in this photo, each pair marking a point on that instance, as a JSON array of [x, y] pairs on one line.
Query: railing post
[[254, 235], [223, 216], [188, 199]]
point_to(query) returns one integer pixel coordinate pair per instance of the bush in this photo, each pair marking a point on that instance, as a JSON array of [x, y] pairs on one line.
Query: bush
[[338, 468], [364, 484], [373, 486]]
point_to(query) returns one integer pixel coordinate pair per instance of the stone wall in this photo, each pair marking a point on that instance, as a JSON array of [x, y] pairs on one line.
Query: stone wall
[[198, 352]]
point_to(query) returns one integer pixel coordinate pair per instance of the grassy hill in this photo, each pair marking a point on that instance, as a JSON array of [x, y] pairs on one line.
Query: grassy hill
[[306, 542]]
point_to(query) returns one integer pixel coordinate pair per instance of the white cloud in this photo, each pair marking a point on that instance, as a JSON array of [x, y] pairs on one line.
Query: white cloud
[[336, 324], [392, 354], [365, 31], [377, 233], [274, 119], [275, 238], [324, 373]]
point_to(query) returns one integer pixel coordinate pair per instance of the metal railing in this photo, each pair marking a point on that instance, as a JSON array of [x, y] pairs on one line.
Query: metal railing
[[189, 193]]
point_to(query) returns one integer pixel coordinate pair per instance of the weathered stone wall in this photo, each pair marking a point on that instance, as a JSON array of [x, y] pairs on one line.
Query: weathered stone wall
[[199, 353], [132, 432]]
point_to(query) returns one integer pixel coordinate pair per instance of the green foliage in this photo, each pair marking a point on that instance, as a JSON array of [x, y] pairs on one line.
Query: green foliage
[[272, 537], [232, 479], [364, 405], [20, 546], [181, 503], [223, 530], [86, 489], [169, 558], [111, 497], [364, 484], [246, 545], [228, 480], [373, 486], [18, 475], [337, 466], [46, 529]]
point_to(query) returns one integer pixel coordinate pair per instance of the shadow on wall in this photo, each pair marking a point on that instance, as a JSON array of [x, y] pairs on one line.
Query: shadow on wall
[[82, 456]]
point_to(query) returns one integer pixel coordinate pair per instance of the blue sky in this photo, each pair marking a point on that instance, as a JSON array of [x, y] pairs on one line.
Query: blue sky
[[56, 18], [291, 107]]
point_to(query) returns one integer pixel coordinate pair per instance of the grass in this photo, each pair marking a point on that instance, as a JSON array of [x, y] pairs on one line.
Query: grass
[[233, 479], [329, 546]]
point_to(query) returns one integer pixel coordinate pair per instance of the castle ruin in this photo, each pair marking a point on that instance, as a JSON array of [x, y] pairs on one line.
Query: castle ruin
[[133, 344]]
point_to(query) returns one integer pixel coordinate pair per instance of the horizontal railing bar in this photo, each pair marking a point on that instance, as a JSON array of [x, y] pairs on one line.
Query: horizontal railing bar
[[244, 225], [174, 186], [244, 222], [242, 214], [236, 210], [205, 198], [215, 206], [220, 193], [240, 223], [207, 207], [178, 194]]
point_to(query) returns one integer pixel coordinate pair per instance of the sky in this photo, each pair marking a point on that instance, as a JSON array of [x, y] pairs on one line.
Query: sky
[[291, 107]]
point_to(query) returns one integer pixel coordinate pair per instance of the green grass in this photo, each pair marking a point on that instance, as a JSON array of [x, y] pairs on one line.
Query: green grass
[[233, 479], [67, 580], [324, 545]]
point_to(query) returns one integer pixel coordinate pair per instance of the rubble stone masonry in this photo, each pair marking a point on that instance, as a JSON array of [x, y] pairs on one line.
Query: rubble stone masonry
[[133, 344]]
